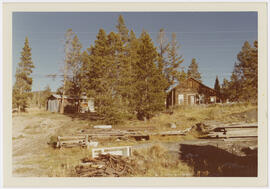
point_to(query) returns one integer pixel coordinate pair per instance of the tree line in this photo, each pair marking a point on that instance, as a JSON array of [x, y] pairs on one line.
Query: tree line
[[126, 74], [243, 83]]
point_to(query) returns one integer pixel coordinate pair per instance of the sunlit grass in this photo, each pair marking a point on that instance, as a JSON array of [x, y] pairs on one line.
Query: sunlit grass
[[45, 160]]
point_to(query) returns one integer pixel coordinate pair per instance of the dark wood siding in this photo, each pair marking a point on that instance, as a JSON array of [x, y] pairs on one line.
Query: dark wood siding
[[193, 92]]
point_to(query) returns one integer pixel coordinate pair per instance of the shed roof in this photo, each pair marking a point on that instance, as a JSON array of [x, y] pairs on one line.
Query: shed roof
[[67, 97], [58, 96]]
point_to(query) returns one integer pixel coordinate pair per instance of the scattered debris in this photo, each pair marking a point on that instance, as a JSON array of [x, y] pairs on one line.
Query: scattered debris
[[201, 130], [105, 165], [122, 151]]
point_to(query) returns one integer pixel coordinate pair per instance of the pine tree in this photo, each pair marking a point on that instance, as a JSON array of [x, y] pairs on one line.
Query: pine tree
[[248, 71], [73, 87], [149, 95], [193, 70], [132, 59], [123, 61], [163, 46], [67, 59], [244, 78], [23, 84], [101, 76], [217, 86], [182, 76], [44, 95], [174, 61], [225, 91], [235, 84], [122, 29]]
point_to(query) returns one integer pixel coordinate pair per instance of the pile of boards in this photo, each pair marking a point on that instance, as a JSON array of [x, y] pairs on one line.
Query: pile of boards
[[105, 165]]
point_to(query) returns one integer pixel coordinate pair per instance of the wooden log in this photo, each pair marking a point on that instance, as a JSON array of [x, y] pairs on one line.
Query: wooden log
[[71, 137], [73, 142], [87, 141]]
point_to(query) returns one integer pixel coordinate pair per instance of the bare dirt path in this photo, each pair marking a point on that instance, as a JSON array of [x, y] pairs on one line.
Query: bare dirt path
[[29, 139]]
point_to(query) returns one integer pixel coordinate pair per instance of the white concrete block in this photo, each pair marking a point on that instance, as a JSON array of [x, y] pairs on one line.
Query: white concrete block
[[122, 151]]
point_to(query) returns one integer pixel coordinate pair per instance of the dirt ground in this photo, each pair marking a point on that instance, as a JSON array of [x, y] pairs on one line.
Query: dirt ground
[[34, 157], [30, 137]]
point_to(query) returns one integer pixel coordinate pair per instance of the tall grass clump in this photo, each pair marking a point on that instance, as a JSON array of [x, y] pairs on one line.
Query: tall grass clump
[[157, 161]]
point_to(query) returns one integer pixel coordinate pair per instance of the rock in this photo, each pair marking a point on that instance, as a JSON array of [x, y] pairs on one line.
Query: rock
[[172, 126], [102, 127]]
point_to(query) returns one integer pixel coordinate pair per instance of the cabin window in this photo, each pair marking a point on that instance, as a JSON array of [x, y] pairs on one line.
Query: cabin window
[[213, 99]]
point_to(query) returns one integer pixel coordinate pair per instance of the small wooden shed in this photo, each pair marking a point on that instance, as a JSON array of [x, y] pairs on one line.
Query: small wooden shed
[[54, 102], [71, 105], [191, 92]]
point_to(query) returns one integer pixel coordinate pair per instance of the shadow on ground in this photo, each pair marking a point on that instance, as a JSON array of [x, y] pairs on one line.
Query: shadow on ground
[[215, 162], [84, 116]]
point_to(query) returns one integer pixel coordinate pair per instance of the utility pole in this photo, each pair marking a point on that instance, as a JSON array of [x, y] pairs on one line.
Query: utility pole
[[62, 108]]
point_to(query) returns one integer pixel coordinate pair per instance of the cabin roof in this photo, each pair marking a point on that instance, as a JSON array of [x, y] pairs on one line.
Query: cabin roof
[[58, 96], [190, 78], [202, 84]]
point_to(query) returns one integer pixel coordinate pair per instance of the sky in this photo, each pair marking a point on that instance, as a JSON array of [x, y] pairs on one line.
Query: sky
[[213, 38]]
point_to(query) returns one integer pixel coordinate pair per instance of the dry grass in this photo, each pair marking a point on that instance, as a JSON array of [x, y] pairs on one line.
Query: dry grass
[[156, 161], [186, 116], [32, 156]]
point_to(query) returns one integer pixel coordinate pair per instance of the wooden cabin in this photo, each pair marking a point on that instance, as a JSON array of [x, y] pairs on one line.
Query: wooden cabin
[[191, 92]]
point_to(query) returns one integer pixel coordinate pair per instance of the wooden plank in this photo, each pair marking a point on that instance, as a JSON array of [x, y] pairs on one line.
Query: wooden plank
[[71, 137], [73, 141]]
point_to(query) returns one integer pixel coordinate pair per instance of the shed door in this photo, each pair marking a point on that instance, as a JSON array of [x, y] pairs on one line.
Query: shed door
[[180, 99], [91, 105]]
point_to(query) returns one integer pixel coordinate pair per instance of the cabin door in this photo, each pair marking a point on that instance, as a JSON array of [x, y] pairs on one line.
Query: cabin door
[[180, 99], [191, 99]]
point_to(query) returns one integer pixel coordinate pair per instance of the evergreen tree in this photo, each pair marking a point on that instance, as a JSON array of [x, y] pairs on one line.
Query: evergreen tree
[[44, 96], [124, 59], [101, 76], [163, 46], [225, 92], [174, 61], [122, 29], [132, 58], [23, 84], [73, 87], [149, 92], [193, 70], [244, 79], [248, 71], [217, 86], [182, 76], [67, 64], [235, 84]]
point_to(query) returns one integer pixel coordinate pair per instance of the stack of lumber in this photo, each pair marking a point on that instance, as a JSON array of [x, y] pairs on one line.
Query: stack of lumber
[[105, 165], [72, 141]]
